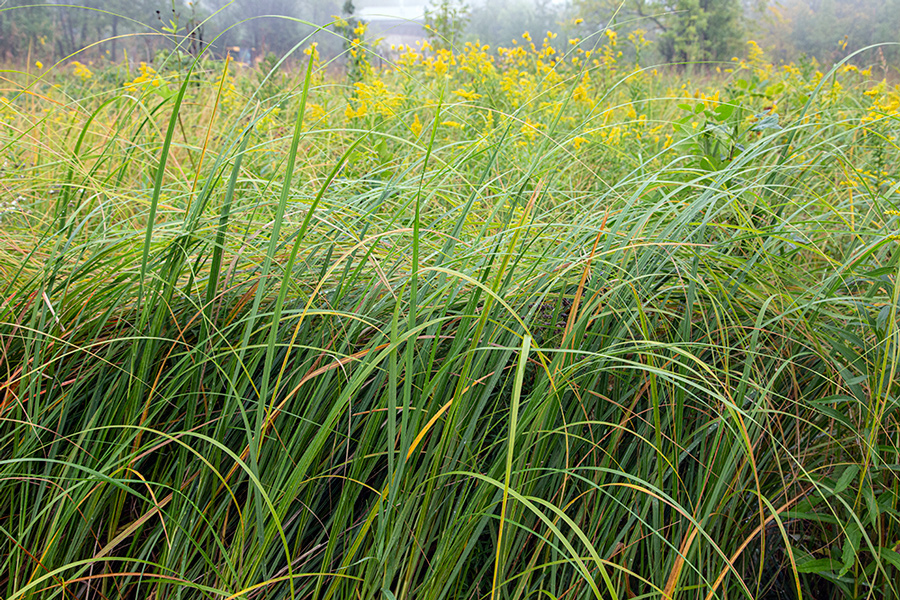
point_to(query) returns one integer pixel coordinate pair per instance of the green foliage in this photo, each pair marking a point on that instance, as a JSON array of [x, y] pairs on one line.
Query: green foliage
[[831, 30], [445, 21], [273, 84], [274, 26], [689, 31], [352, 32], [701, 30], [23, 27], [497, 22]]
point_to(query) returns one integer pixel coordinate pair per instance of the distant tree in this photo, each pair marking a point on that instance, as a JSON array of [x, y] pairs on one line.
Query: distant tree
[[256, 23], [61, 28], [355, 56], [348, 14], [830, 30], [65, 27], [701, 30], [123, 17], [259, 25], [445, 21], [498, 22], [687, 30], [23, 28]]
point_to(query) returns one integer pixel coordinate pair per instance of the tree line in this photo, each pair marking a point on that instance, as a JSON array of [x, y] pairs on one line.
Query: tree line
[[693, 31], [684, 31], [111, 28]]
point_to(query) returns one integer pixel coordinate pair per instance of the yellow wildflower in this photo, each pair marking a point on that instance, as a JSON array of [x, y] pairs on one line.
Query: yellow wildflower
[[530, 129], [359, 113], [384, 101], [315, 112], [416, 126], [466, 95], [82, 71], [580, 94]]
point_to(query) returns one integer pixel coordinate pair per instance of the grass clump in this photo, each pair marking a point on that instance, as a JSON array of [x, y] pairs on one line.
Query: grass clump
[[484, 324]]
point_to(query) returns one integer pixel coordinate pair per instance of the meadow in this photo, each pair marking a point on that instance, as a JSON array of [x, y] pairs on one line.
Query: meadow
[[540, 321]]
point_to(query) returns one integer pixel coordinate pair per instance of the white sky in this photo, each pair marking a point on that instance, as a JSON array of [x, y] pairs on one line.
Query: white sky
[[403, 9]]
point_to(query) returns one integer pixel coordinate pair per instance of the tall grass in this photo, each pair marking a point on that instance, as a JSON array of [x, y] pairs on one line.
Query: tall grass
[[340, 358]]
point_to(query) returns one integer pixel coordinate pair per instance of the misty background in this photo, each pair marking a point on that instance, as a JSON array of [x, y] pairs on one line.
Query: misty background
[[683, 30]]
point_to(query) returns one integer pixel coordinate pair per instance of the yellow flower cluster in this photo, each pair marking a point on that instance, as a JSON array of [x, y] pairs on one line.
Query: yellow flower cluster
[[581, 95], [639, 42], [268, 121], [466, 94], [416, 127], [229, 100], [578, 141], [313, 53], [359, 55], [81, 71], [709, 101], [314, 113], [375, 94], [407, 56], [757, 61], [885, 102], [356, 113], [530, 129], [476, 60], [8, 112], [589, 101], [147, 80]]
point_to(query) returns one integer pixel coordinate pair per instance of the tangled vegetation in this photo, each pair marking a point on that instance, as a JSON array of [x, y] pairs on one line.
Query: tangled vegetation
[[522, 322]]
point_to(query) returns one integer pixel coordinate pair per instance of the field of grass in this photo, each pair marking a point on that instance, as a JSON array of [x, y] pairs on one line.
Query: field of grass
[[522, 323]]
